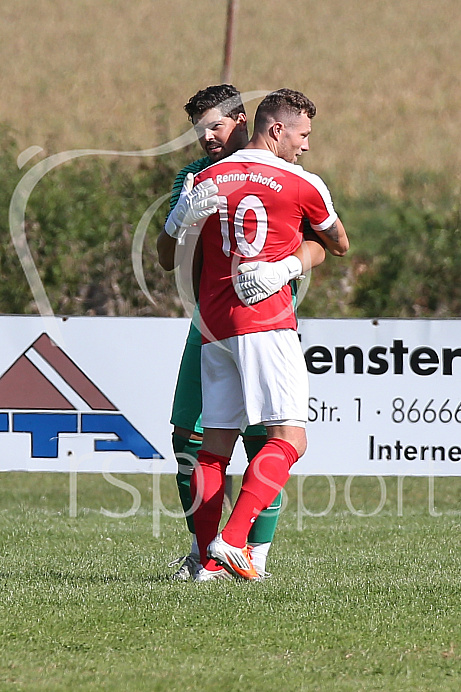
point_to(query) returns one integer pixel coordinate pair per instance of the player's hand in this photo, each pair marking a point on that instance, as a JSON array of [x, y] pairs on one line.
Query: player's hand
[[259, 280], [194, 204]]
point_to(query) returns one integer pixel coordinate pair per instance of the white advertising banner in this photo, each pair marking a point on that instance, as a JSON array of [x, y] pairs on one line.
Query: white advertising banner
[[94, 394], [88, 393], [385, 397]]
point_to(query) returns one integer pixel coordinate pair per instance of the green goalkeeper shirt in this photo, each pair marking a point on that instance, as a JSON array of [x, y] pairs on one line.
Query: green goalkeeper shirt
[[195, 167]]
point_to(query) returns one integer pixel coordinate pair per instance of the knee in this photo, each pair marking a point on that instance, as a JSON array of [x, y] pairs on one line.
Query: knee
[[301, 446], [299, 441]]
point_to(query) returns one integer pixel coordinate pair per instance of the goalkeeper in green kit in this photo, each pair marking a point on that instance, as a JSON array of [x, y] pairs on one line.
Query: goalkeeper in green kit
[[219, 118]]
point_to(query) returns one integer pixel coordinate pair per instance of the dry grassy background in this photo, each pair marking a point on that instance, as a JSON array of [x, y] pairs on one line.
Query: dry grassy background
[[385, 74]]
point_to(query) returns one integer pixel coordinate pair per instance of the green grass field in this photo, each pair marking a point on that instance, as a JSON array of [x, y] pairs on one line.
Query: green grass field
[[354, 603]]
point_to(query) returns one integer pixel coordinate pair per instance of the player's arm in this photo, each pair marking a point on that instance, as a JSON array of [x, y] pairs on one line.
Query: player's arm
[[197, 265], [259, 280], [166, 249], [317, 198], [313, 245], [335, 238], [194, 204], [166, 244]]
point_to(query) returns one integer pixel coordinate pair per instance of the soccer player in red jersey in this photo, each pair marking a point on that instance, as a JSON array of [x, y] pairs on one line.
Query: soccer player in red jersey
[[219, 118], [253, 369]]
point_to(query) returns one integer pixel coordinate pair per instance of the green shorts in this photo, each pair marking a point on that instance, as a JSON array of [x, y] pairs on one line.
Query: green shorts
[[187, 402]]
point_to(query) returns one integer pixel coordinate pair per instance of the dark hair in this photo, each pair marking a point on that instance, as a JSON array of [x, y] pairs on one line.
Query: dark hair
[[283, 103], [222, 96]]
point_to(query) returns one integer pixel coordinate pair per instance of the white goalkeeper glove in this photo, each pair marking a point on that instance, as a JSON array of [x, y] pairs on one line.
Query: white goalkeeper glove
[[259, 280], [194, 204]]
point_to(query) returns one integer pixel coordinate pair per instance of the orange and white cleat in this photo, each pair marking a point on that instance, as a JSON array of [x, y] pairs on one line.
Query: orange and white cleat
[[236, 561]]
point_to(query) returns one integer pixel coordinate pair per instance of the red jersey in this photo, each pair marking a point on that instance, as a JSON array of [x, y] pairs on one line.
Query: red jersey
[[262, 201]]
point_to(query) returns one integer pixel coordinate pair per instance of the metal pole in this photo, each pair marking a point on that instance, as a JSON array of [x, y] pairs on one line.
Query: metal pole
[[232, 6]]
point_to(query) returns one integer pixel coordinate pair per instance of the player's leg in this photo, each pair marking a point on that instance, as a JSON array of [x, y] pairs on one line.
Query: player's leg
[[186, 450], [275, 388], [207, 490], [263, 530], [187, 437], [263, 480], [222, 418]]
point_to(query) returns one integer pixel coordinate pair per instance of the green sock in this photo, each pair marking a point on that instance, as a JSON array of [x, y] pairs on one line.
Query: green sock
[[182, 446], [263, 529]]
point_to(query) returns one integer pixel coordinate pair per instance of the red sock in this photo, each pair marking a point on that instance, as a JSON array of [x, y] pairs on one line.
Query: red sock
[[265, 476], [208, 481]]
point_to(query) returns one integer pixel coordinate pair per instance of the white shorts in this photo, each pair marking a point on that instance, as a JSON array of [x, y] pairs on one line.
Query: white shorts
[[254, 378]]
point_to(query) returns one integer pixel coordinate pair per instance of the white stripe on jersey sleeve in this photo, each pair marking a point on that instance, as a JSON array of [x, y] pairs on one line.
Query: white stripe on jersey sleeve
[[324, 192], [267, 157]]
